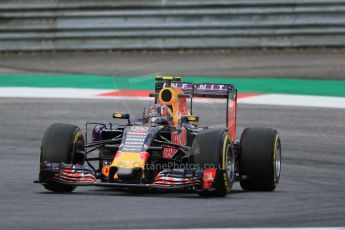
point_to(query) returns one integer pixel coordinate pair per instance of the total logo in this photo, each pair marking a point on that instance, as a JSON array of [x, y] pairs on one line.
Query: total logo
[[139, 128]]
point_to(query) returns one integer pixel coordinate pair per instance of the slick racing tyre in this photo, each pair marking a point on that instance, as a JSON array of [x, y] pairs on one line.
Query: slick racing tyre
[[213, 148], [61, 143], [260, 159]]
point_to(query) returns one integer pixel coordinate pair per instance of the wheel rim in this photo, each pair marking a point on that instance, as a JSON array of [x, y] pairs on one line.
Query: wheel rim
[[230, 163], [277, 162]]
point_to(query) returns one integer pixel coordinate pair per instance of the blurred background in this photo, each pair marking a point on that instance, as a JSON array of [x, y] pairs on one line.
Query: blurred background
[[232, 38], [32, 25]]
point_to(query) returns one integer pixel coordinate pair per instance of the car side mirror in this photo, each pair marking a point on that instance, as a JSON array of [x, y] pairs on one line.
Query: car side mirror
[[190, 118], [122, 116]]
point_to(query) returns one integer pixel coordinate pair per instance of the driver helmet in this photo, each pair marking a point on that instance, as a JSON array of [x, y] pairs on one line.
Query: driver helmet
[[158, 114]]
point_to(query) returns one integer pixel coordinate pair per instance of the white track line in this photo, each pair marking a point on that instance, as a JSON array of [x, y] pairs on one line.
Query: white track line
[[267, 99], [31, 92], [296, 100]]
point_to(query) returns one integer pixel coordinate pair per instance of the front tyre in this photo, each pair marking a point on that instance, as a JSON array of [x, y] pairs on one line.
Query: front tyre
[[260, 159], [61, 143], [213, 148]]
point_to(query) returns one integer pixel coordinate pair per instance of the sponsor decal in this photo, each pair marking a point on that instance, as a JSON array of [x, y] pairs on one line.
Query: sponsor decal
[[211, 87], [208, 178], [189, 86], [176, 138], [139, 128], [183, 107], [137, 133], [183, 85], [134, 139]]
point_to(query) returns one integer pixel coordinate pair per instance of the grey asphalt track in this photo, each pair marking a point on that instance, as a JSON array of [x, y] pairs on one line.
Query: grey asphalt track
[[311, 192]]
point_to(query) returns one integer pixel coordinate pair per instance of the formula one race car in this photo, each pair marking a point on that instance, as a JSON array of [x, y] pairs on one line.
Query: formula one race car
[[165, 149]]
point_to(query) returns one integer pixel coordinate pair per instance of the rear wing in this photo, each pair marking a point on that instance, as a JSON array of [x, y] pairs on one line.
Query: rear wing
[[206, 90]]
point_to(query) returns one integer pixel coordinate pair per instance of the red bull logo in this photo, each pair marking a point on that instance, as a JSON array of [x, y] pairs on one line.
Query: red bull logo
[[180, 139]]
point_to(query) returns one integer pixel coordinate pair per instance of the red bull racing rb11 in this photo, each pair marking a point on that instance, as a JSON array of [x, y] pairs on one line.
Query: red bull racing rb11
[[165, 149]]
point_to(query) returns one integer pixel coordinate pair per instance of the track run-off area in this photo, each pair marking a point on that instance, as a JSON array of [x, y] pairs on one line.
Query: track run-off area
[[308, 114], [283, 91]]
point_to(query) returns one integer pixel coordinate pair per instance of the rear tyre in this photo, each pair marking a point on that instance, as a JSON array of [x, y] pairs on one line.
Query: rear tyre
[[61, 143], [260, 159], [213, 148]]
